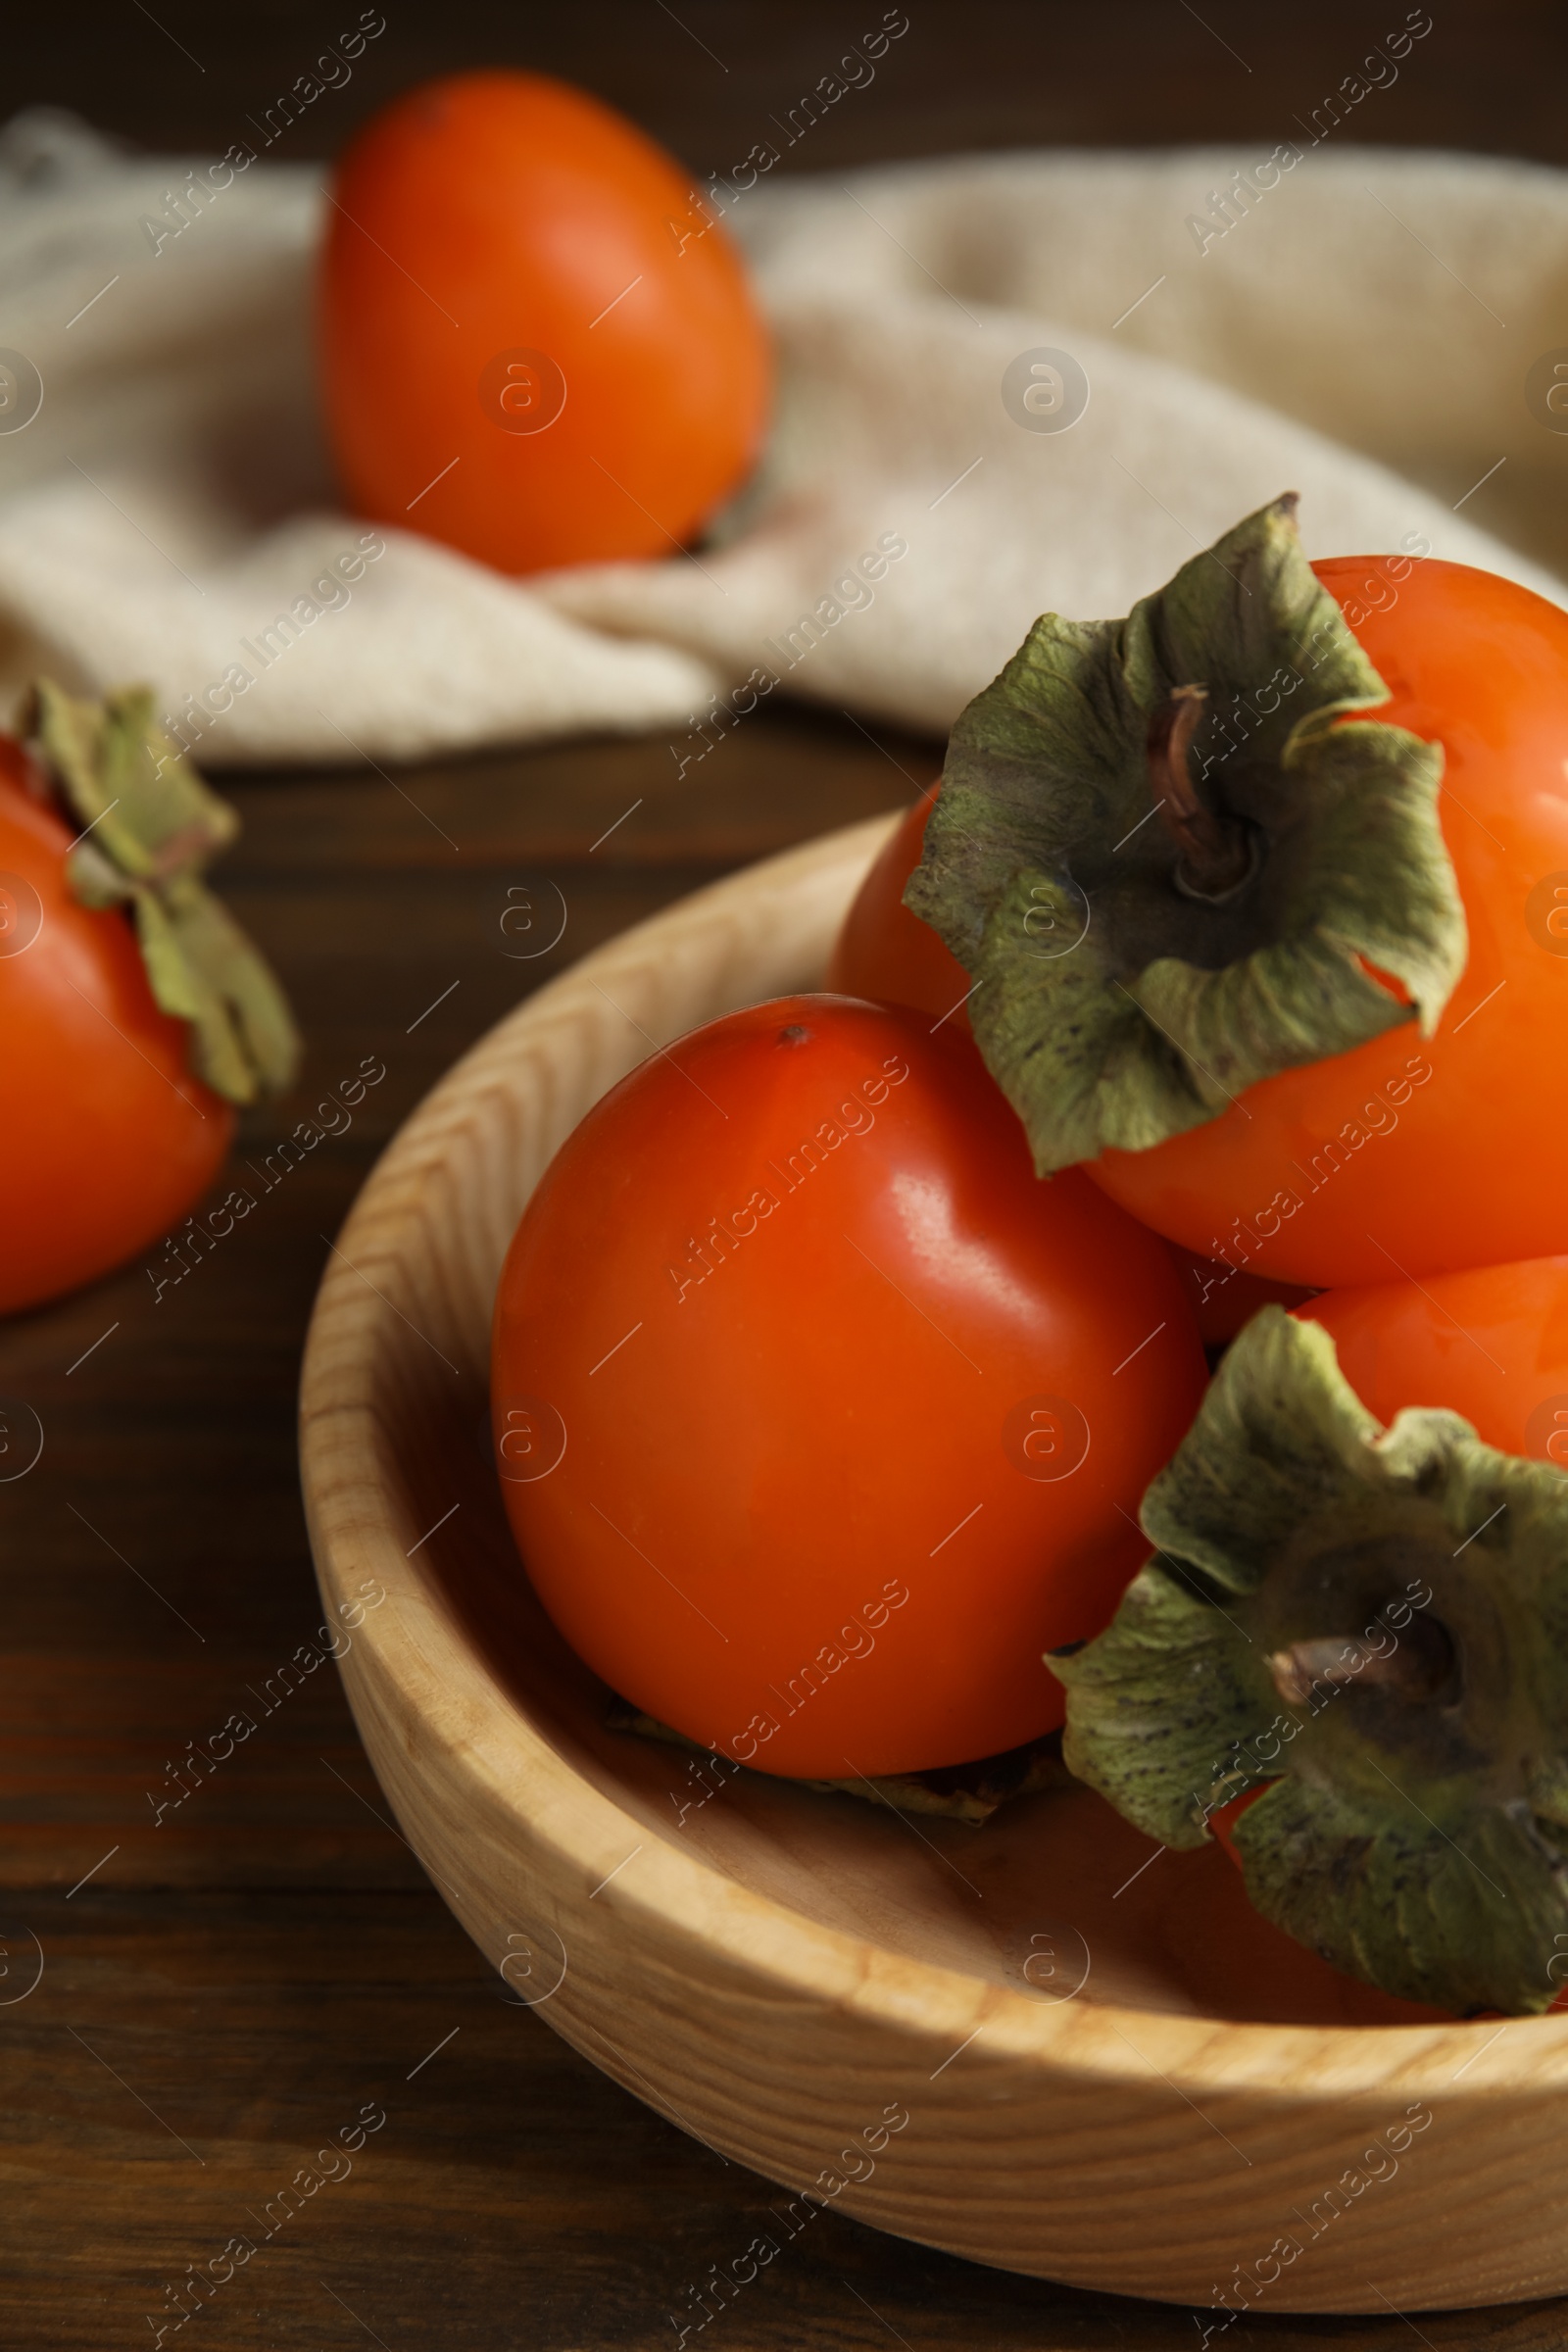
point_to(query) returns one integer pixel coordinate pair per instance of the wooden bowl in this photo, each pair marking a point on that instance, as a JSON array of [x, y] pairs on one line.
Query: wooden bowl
[[1110, 2071]]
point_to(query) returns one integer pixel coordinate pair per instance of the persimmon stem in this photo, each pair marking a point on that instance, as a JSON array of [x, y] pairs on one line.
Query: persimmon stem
[[1215, 852], [1416, 1671]]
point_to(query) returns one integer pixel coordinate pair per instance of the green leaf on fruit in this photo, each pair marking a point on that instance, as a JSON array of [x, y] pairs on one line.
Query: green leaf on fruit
[[149, 827], [1176, 862], [1370, 1626]]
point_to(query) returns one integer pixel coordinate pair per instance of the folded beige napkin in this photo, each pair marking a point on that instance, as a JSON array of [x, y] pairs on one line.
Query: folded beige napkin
[[1008, 385]]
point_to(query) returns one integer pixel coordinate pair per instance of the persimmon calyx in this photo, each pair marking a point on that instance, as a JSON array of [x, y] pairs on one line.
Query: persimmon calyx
[[150, 826], [1169, 852], [1371, 1626]]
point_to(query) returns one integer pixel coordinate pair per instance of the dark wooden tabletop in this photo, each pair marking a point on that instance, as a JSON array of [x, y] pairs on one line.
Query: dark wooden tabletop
[[190, 2008]]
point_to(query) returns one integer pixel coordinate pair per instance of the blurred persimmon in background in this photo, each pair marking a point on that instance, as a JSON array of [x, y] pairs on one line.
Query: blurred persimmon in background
[[537, 342]]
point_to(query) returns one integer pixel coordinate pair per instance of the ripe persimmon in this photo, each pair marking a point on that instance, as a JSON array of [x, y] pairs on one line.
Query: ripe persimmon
[[817, 1419], [886, 954], [1264, 894], [134, 1012], [1417, 1155], [1344, 1655], [537, 343]]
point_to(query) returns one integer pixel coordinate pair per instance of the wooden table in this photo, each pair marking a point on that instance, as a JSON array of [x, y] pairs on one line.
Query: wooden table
[[192, 2005], [224, 1988]]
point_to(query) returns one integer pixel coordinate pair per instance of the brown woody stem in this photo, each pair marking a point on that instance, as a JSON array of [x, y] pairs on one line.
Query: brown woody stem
[[1415, 1670], [1216, 853]]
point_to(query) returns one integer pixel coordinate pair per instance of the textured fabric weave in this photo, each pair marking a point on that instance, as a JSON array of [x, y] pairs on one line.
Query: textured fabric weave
[[1361, 331]]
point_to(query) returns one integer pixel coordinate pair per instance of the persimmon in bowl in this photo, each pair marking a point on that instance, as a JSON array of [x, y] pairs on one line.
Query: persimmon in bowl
[[1110, 2070]]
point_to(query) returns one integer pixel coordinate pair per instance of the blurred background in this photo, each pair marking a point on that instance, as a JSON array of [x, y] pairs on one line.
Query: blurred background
[[1145, 72]]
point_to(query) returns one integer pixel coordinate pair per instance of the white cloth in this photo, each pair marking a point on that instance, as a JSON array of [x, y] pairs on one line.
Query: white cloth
[[1361, 333]]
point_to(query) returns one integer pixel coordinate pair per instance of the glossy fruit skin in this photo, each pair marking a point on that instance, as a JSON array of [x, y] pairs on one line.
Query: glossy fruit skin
[[888, 955], [788, 1508], [1449, 1148], [495, 214], [1491, 1344], [108, 1137]]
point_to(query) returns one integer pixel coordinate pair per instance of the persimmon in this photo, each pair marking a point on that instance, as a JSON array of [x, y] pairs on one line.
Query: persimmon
[[536, 342], [1307, 829], [1348, 1654], [134, 1014], [816, 1424], [885, 952], [1491, 1344]]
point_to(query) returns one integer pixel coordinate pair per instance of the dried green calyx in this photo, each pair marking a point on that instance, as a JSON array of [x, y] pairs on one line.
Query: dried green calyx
[[1169, 860], [1371, 1625], [150, 826], [969, 1792]]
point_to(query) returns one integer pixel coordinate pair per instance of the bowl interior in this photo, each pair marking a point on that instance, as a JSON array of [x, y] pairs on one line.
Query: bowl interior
[[1055, 1896]]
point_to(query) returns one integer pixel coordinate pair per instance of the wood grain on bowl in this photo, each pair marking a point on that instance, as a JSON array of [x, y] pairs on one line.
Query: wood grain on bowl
[[1108, 2069]]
